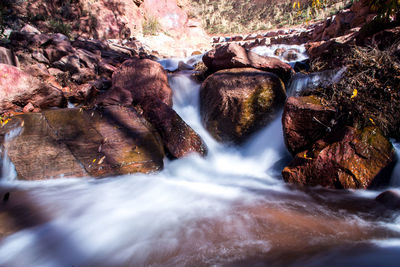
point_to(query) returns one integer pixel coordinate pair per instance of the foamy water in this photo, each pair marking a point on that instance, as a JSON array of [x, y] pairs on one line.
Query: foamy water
[[269, 51], [230, 208]]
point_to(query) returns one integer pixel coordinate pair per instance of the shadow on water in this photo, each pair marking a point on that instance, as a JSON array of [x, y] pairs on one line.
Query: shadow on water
[[21, 213]]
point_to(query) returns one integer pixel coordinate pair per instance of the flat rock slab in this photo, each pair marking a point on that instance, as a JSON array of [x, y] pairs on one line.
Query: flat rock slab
[[76, 143]]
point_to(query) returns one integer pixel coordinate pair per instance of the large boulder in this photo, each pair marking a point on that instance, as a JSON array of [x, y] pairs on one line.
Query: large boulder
[[76, 143], [179, 139], [137, 81], [144, 83], [234, 56], [234, 103], [305, 120], [18, 88], [349, 158]]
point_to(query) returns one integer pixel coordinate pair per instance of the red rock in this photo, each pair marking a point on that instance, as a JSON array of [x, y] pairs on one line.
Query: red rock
[[234, 103], [18, 87], [179, 139], [28, 40], [349, 158], [84, 75], [83, 93], [79, 143], [30, 29], [56, 52], [138, 81], [28, 108], [234, 56], [68, 63], [304, 121], [323, 50]]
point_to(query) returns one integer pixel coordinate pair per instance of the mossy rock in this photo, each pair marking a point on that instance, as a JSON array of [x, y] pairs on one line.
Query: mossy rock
[[235, 103], [77, 143]]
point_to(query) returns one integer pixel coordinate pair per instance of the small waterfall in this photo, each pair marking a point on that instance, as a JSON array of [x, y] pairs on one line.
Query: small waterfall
[[230, 208], [8, 172], [395, 180], [173, 64], [280, 51], [301, 81]]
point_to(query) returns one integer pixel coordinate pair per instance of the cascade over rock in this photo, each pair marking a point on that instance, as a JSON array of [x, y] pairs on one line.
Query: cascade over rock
[[234, 56], [75, 143], [348, 158], [305, 120], [144, 84], [179, 138], [236, 102]]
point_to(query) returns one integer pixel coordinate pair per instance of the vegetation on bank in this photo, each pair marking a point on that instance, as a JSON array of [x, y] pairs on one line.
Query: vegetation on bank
[[151, 26], [233, 16], [368, 94]]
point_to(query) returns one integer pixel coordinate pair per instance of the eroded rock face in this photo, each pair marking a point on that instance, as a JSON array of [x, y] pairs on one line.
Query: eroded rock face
[[139, 80], [236, 102], [18, 88], [77, 143], [234, 56], [349, 158], [305, 120]]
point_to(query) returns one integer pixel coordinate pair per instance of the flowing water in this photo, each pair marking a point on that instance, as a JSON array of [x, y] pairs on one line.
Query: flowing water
[[228, 209]]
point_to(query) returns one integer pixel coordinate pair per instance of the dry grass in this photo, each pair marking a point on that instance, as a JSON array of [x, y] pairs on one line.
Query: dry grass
[[370, 92], [240, 16]]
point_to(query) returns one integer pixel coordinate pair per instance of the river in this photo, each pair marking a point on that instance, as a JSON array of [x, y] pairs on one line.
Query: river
[[231, 208]]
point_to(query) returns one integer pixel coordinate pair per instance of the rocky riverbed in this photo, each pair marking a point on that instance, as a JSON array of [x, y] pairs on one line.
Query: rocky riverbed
[[213, 159]]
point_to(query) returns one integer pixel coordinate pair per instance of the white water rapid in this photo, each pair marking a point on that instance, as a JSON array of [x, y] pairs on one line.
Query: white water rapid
[[228, 209]]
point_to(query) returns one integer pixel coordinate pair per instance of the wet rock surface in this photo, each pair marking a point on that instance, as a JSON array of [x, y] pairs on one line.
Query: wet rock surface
[[236, 102], [76, 143], [348, 158], [234, 56], [306, 120], [179, 139]]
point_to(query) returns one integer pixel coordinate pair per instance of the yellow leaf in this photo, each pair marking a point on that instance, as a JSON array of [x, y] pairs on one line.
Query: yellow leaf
[[94, 161], [355, 92], [372, 121]]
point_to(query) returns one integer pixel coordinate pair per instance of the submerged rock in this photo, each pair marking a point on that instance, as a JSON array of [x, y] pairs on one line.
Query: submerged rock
[[390, 199], [305, 120], [234, 103], [234, 56], [349, 158], [76, 143], [18, 88]]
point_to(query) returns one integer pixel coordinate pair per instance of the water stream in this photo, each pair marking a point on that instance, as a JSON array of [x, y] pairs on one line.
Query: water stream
[[228, 209]]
